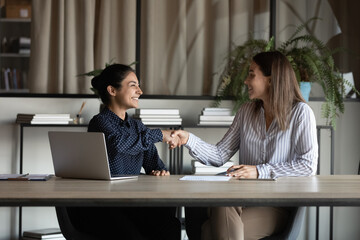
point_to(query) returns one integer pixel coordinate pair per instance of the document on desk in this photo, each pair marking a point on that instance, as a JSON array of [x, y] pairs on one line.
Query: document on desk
[[205, 178]]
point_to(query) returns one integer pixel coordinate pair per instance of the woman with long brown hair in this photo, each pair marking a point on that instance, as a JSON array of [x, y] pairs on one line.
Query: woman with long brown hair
[[275, 135]]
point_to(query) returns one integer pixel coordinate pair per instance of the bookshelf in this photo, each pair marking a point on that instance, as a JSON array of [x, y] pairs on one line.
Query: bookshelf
[[14, 54]]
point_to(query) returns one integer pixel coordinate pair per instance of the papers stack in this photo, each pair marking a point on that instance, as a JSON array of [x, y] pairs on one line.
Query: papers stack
[[48, 233], [216, 116], [153, 116], [205, 178], [25, 177], [199, 168], [43, 118]]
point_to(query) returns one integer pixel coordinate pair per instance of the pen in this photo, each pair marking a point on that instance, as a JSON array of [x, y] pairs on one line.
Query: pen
[[232, 170], [81, 108], [23, 175]]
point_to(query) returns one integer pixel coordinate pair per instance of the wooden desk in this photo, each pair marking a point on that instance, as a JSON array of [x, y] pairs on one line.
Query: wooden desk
[[336, 190]]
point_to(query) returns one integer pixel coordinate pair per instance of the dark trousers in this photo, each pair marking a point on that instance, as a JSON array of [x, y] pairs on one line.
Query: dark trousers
[[126, 222]]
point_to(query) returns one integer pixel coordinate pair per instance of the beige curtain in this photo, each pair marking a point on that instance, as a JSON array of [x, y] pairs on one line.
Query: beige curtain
[[184, 43], [72, 37]]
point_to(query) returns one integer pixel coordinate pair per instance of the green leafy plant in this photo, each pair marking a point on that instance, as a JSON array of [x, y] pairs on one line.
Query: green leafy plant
[[311, 59], [233, 77]]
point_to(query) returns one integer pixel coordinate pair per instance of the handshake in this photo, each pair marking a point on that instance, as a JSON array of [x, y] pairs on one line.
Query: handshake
[[175, 138]]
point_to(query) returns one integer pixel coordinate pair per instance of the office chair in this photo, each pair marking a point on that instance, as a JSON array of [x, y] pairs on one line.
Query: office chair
[[67, 228], [70, 232], [196, 216], [292, 229]]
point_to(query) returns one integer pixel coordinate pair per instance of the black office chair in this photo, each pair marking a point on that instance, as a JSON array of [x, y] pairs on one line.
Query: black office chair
[[67, 228], [71, 232], [196, 216]]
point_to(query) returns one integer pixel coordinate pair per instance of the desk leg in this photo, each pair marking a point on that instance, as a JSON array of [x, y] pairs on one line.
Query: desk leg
[[21, 172], [20, 222], [331, 223]]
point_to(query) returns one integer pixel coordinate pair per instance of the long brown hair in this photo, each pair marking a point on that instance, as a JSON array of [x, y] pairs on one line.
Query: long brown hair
[[284, 89]]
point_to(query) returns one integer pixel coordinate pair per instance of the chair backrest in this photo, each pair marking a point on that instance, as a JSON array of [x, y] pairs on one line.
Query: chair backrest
[[196, 216], [67, 229], [292, 229]]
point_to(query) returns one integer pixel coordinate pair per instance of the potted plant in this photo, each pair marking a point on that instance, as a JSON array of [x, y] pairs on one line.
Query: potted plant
[[311, 59]]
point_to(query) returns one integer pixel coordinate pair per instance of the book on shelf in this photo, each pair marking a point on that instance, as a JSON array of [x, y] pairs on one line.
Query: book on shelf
[[24, 51], [216, 118], [43, 118], [52, 238], [160, 119], [47, 233], [158, 116], [25, 177], [213, 123], [217, 111], [19, 45], [151, 116], [12, 79], [7, 78], [157, 111], [162, 123]]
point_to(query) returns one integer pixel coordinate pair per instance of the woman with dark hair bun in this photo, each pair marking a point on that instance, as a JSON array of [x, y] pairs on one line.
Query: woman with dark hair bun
[[130, 146], [275, 135]]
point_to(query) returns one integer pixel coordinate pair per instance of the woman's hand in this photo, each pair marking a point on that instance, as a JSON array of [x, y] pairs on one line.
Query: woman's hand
[[181, 135], [160, 173], [173, 142], [243, 171]]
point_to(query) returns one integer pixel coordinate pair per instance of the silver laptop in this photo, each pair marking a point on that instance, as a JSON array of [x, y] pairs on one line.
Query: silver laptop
[[81, 155]]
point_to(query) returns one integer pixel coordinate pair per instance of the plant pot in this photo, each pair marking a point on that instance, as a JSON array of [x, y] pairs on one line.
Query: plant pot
[[305, 88]]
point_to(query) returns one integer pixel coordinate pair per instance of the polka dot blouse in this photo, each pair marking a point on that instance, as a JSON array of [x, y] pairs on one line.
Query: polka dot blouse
[[130, 144]]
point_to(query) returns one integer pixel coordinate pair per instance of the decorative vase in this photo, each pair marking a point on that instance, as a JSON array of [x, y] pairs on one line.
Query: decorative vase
[[305, 88]]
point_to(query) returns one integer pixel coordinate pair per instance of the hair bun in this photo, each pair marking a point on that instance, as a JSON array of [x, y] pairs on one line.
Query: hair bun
[[97, 82]]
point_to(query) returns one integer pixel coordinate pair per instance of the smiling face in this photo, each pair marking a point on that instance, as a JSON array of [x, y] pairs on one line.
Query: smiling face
[[258, 84], [128, 95]]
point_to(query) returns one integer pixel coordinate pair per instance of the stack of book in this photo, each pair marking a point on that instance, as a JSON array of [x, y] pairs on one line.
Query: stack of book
[[12, 78], [24, 45], [216, 116], [199, 168], [43, 118], [48, 233], [156, 116], [20, 45]]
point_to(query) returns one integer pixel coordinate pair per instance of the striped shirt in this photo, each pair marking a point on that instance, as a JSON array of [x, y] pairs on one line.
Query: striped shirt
[[276, 153]]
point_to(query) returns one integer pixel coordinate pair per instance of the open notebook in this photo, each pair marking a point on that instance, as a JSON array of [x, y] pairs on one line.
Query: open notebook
[[81, 155]]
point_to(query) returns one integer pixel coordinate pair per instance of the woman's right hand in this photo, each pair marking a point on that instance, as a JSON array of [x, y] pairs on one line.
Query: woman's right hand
[[183, 137]]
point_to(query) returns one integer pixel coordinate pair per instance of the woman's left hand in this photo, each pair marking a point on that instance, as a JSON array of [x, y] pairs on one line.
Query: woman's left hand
[[243, 171], [160, 173]]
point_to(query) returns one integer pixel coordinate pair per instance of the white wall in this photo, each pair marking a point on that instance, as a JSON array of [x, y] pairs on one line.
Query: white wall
[[37, 158]]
